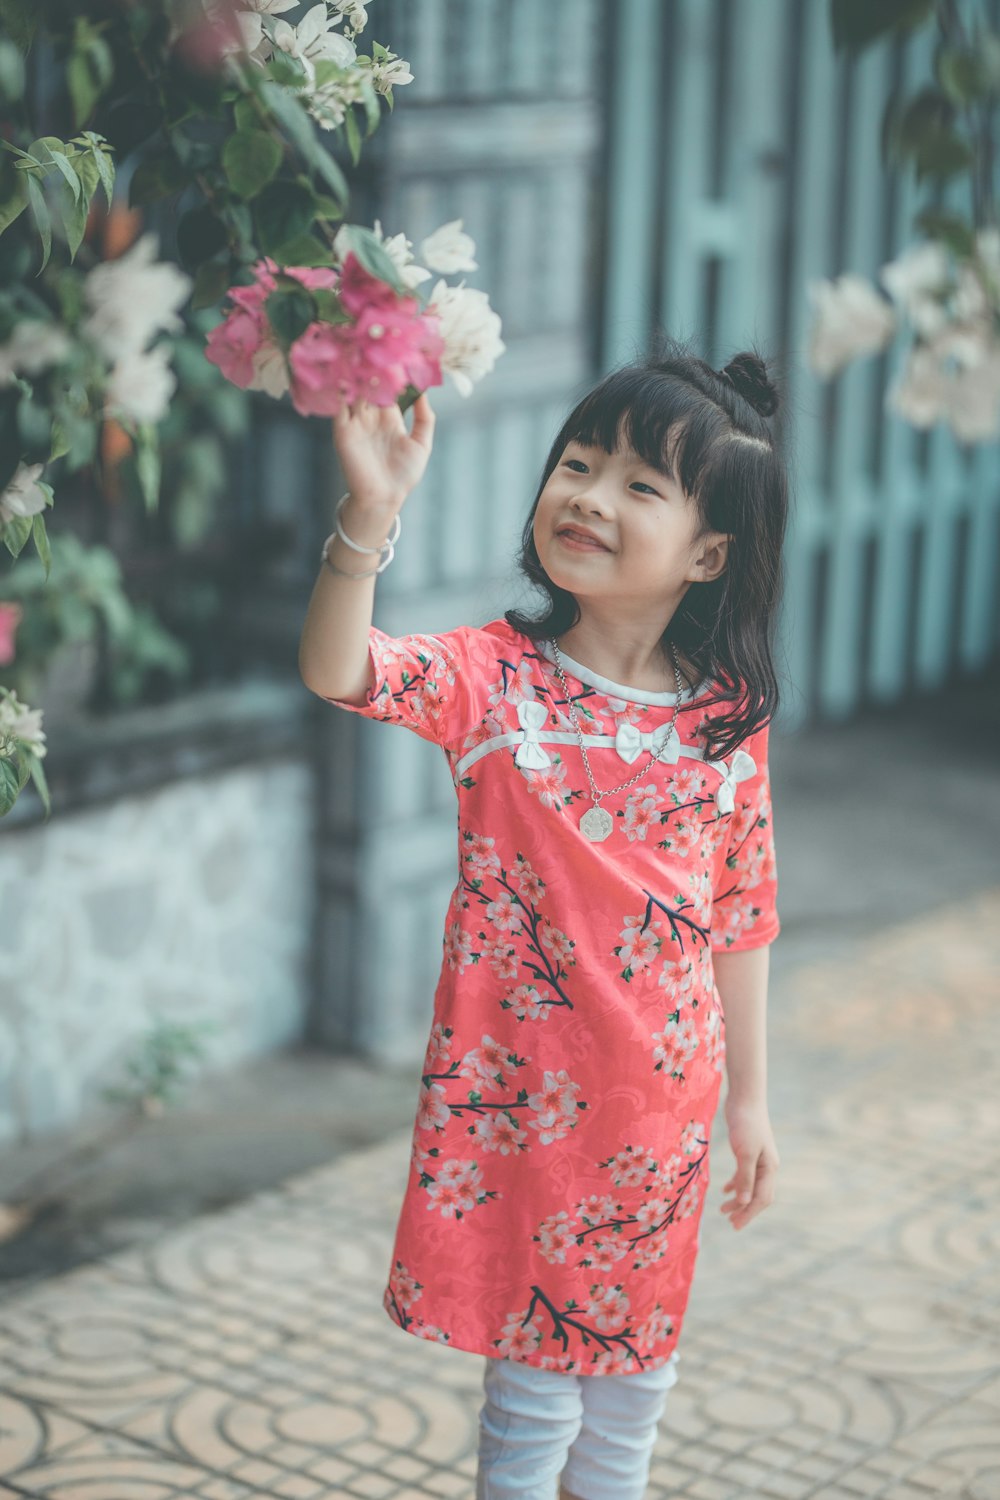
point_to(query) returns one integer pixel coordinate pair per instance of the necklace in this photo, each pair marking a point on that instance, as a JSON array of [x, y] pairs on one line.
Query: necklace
[[597, 822]]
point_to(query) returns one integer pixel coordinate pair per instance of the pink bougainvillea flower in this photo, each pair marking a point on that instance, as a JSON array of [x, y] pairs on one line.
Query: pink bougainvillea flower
[[390, 344], [359, 289], [10, 618]]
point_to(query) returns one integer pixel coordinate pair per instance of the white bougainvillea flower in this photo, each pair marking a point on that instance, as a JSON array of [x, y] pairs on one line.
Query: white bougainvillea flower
[[975, 408], [255, 39], [398, 248], [353, 12], [32, 347], [23, 496], [270, 371], [390, 72], [920, 394], [20, 722], [313, 40], [140, 385], [918, 281], [851, 319], [471, 332], [448, 249], [132, 298]]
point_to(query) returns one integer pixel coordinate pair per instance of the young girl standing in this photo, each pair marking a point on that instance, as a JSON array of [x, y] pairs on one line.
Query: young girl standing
[[606, 943]]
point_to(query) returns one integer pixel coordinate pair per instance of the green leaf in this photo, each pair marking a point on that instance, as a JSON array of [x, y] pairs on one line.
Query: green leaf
[[147, 464], [299, 128], [19, 18], [283, 211], [16, 533], [961, 75], [957, 234], [83, 88], [250, 159], [158, 175], [245, 114], [353, 134], [43, 219], [9, 786], [74, 216], [304, 250], [856, 24], [290, 309], [105, 170], [286, 70], [14, 201], [373, 255], [210, 284], [41, 538], [200, 235], [11, 73]]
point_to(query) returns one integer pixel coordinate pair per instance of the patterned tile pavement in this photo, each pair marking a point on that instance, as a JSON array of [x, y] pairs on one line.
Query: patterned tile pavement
[[846, 1344]]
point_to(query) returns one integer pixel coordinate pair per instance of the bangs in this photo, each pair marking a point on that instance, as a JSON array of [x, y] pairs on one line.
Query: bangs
[[654, 415]]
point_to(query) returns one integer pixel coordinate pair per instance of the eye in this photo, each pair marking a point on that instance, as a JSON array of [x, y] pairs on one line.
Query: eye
[[648, 487], [571, 461]]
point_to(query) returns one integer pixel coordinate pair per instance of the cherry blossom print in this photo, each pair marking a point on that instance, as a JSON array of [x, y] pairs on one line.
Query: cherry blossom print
[[490, 1065], [520, 1336], [642, 811], [457, 946], [500, 1132], [549, 783], [600, 1325], [457, 1188], [514, 685], [641, 937], [715, 1041], [674, 1046], [516, 929], [404, 1288], [557, 1107], [400, 1295], [556, 1235], [574, 1059]]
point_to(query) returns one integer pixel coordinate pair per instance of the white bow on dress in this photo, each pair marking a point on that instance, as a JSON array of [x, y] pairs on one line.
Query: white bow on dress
[[531, 715], [743, 767], [630, 742]]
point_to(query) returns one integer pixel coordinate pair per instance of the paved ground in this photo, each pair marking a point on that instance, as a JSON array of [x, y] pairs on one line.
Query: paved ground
[[846, 1344]]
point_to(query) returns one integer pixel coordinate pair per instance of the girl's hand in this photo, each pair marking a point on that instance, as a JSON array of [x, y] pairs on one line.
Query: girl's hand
[[752, 1141], [382, 462]]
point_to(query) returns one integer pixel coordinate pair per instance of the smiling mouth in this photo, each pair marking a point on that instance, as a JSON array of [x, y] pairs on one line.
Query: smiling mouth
[[578, 540]]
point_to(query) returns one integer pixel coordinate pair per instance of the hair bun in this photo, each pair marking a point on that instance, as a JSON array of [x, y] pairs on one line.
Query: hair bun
[[747, 374]]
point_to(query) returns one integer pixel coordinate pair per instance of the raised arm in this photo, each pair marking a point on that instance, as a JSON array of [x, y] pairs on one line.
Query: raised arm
[[382, 463]]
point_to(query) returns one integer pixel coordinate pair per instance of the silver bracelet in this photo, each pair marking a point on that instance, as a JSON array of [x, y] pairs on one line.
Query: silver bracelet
[[387, 548], [356, 545]]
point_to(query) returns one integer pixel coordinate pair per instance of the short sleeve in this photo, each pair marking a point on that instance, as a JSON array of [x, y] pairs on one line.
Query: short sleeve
[[744, 913], [422, 682]]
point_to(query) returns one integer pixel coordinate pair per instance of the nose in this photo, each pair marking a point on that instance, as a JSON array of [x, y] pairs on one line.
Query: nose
[[590, 502]]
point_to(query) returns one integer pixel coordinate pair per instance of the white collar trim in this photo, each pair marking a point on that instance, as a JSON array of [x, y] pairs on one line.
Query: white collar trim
[[620, 689]]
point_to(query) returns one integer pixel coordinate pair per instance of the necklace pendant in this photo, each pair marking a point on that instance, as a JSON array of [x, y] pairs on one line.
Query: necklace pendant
[[596, 824]]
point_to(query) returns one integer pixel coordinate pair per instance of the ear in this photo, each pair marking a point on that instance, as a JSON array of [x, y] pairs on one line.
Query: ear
[[712, 557]]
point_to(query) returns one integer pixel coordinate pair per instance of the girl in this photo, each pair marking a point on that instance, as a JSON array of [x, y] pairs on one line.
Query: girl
[[614, 904]]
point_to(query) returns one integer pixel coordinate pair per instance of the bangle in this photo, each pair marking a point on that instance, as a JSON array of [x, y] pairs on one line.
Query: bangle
[[387, 548], [356, 545]]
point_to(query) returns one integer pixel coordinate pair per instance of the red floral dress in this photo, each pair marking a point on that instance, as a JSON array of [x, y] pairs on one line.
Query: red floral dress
[[561, 1144]]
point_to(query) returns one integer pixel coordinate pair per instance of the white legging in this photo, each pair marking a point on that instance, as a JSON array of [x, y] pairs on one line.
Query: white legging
[[596, 1431]]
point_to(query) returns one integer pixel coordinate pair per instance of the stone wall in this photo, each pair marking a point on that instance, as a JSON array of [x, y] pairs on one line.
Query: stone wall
[[191, 902]]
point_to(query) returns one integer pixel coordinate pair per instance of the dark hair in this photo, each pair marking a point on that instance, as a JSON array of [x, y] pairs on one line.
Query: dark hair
[[707, 430]]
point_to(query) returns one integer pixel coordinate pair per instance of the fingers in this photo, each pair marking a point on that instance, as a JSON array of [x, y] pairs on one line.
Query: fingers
[[424, 418]]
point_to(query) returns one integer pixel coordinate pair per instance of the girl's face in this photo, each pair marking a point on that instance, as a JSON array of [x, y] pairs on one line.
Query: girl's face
[[647, 525]]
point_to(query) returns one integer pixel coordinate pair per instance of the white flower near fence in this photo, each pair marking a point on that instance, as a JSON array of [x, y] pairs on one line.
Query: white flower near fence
[[952, 371]]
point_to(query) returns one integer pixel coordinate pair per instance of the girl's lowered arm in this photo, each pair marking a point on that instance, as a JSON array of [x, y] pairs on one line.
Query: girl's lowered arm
[[742, 979]]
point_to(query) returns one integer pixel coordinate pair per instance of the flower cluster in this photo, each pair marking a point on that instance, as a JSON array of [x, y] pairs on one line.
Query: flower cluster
[[366, 341], [952, 370], [335, 75]]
